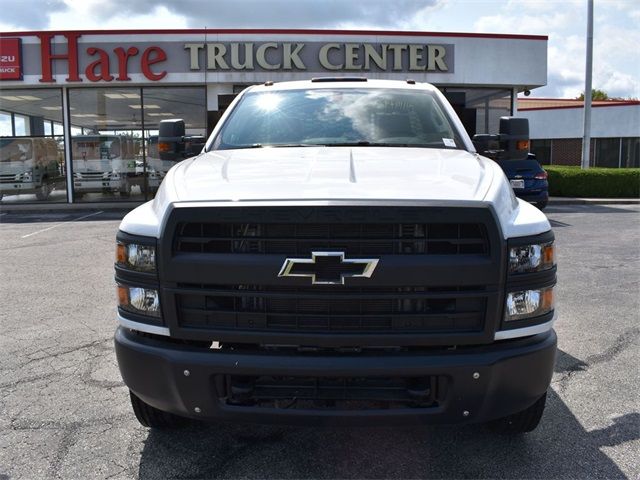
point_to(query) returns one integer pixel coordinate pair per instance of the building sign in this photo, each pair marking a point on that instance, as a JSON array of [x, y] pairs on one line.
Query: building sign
[[196, 57], [321, 56], [115, 62], [10, 59]]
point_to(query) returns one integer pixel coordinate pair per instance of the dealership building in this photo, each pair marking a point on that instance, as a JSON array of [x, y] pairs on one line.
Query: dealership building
[[79, 110]]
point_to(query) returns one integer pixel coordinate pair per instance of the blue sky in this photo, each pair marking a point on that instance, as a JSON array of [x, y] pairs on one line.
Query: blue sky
[[616, 33]]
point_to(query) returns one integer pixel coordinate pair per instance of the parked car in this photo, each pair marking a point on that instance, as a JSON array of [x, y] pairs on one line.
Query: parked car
[[528, 180]]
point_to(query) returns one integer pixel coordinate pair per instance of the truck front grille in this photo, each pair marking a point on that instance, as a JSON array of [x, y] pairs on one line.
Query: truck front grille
[[352, 239], [322, 309], [436, 281]]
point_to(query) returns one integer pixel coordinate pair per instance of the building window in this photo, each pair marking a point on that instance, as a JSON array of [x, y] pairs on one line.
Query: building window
[[542, 150], [32, 165], [114, 137], [607, 152], [630, 153], [161, 103]]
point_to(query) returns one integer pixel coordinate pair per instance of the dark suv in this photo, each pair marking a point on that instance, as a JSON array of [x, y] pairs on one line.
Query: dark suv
[[528, 180]]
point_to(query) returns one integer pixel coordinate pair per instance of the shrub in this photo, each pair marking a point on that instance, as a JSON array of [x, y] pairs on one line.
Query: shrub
[[595, 182]]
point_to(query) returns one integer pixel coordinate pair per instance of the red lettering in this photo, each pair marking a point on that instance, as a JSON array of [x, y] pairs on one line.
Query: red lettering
[[147, 61], [47, 58], [103, 63], [123, 60]]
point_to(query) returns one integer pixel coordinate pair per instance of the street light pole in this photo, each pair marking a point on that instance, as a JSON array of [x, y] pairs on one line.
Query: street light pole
[[586, 139]]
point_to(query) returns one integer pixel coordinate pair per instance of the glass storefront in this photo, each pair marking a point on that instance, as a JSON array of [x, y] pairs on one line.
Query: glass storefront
[[480, 109], [114, 137], [32, 167]]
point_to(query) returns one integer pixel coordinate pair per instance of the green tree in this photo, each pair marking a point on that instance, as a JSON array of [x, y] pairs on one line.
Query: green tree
[[596, 95]]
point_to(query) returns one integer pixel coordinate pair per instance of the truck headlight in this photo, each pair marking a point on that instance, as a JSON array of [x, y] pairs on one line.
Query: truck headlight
[[528, 303], [143, 301], [531, 258], [136, 257]]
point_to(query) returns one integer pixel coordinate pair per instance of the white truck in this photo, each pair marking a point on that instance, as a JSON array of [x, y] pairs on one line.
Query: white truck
[[29, 165], [338, 253], [105, 163]]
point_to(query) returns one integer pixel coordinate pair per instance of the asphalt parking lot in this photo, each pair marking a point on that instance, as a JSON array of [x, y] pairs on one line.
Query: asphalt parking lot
[[64, 412]]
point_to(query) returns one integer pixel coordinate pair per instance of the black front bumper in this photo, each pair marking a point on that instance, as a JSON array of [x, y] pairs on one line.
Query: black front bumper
[[482, 382]]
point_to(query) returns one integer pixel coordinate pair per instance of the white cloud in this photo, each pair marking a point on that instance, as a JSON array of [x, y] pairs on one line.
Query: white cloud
[[87, 15], [616, 34]]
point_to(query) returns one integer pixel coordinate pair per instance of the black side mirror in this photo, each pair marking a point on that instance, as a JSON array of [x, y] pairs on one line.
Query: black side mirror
[[512, 143], [171, 139], [514, 136], [174, 145]]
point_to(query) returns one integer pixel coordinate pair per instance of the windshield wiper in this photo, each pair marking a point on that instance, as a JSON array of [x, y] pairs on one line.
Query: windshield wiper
[[274, 145], [365, 143]]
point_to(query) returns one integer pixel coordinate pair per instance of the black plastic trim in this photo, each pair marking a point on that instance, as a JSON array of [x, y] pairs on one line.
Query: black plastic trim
[[545, 237], [487, 381], [136, 317], [527, 322]]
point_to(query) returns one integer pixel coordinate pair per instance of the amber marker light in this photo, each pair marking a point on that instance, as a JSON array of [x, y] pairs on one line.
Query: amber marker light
[[121, 254], [547, 303], [549, 254], [522, 145], [123, 295]]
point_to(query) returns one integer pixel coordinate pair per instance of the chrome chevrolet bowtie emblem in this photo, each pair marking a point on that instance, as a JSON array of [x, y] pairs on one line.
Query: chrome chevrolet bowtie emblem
[[328, 268]]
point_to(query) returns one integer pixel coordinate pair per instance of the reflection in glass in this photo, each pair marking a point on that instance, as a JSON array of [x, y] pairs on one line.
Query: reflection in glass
[[160, 103], [31, 166], [338, 117], [104, 163], [31, 149], [106, 144]]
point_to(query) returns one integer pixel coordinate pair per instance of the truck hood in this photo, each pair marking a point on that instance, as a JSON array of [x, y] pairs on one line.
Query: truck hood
[[308, 173], [325, 174]]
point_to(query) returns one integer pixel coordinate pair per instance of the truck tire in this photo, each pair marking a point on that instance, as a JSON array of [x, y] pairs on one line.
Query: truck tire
[[125, 191], [151, 417], [43, 191], [521, 422]]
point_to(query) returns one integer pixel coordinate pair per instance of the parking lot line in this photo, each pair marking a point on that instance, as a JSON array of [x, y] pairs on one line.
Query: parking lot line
[[62, 223]]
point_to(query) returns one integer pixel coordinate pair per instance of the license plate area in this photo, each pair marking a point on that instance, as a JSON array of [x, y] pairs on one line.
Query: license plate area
[[330, 393], [517, 183]]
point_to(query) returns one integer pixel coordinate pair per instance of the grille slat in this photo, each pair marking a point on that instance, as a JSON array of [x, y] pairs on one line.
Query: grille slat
[[299, 309], [358, 239]]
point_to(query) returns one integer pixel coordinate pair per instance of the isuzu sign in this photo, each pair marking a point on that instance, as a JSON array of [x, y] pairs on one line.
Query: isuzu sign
[[10, 59]]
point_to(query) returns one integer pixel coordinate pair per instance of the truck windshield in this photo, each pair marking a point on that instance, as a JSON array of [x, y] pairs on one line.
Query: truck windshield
[[338, 117], [96, 147], [15, 150]]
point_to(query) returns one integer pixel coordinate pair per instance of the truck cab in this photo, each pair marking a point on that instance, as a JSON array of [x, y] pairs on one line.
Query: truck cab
[[338, 253], [103, 163], [28, 165]]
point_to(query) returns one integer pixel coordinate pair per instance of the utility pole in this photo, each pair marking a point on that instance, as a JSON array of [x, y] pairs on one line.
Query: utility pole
[[586, 139]]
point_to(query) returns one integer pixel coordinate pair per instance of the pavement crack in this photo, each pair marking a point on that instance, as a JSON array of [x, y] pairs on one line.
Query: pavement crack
[[620, 344], [568, 366], [65, 352]]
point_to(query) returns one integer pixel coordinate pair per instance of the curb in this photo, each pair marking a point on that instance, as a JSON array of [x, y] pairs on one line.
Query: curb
[[128, 206], [592, 201]]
